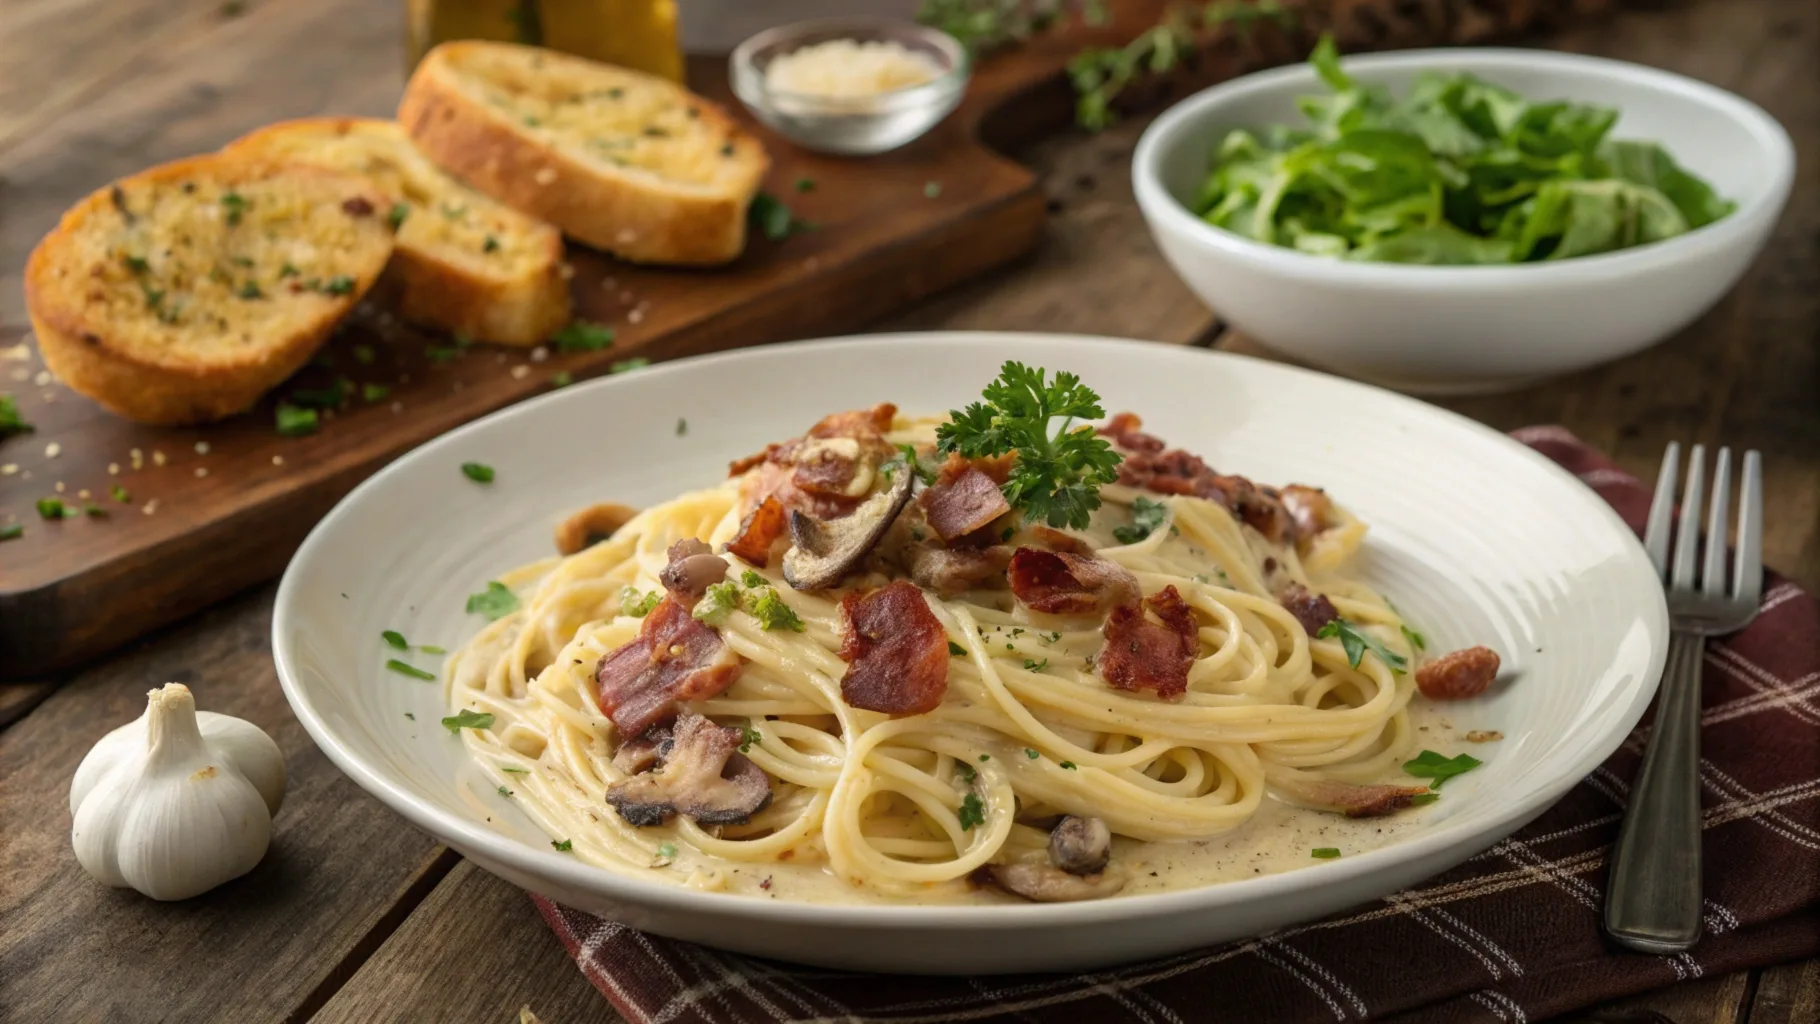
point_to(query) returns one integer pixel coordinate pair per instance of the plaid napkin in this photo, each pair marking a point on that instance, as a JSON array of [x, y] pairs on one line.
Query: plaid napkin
[[1511, 935]]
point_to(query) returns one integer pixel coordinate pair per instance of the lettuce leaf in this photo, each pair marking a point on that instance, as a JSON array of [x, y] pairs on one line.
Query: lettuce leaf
[[1459, 171]]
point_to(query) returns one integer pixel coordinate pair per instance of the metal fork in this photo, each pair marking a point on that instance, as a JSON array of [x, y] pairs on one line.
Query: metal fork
[[1653, 898]]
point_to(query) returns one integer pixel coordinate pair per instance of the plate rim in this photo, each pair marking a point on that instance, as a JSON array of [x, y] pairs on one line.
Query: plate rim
[[490, 846]]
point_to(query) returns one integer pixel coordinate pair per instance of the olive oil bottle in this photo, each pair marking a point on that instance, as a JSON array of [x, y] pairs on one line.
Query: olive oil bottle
[[638, 34]]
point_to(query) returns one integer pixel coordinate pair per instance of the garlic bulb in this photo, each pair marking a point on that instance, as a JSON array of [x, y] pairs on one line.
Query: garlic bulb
[[178, 801]]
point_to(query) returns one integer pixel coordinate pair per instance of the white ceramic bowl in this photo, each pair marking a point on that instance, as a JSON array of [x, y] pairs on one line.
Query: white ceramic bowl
[[1462, 329], [1478, 539]]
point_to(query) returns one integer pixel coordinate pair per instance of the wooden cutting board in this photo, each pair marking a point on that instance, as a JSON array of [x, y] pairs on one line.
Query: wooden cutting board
[[212, 510]]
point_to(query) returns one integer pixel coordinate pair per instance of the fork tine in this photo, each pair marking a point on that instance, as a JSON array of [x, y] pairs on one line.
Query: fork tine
[[1662, 509], [1687, 532], [1718, 529], [1749, 572]]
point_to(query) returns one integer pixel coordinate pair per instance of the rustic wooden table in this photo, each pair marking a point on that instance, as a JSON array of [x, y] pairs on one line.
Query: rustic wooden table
[[357, 916]]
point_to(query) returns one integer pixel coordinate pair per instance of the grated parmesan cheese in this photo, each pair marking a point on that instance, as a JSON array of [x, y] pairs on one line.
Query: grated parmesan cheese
[[846, 68]]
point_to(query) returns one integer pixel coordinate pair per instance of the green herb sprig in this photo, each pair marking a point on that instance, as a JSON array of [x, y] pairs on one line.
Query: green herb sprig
[[1430, 765], [1057, 476], [1355, 642]]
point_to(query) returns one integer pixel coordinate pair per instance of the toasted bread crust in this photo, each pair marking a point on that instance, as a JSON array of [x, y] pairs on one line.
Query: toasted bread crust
[[511, 307], [630, 218], [107, 358]]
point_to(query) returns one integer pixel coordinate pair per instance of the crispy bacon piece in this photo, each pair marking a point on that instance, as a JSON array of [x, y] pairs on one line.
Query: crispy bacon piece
[[761, 528], [1145, 655], [1459, 675], [1151, 466], [1310, 507], [1310, 609], [1060, 583], [949, 571], [1124, 432], [857, 423], [896, 651], [823, 470], [692, 569], [962, 499], [674, 658], [1348, 798], [1056, 540]]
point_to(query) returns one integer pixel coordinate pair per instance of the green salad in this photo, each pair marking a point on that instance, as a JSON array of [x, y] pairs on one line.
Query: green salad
[[1461, 171]]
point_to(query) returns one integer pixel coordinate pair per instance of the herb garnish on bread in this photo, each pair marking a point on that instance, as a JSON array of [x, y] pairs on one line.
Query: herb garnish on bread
[[464, 262], [183, 293], [623, 161]]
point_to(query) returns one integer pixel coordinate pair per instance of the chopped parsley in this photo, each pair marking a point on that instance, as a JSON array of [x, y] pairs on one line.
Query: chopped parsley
[[289, 271], [1415, 638], [120, 495], [340, 284], [371, 392], [478, 472], [751, 580], [805, 184], [364, 355], [137, 264], [440, 354], [396, 639], [154, 297], [432, 649], [250, 290], [636, 605], [907, 456], [972, 812], [1423, 798], [1031, 753], [10, 421], [772, 613], [666, 850], [12, 532], [503, 791], [490, 245], [1032, 665], [720, 600], [582, 336], [1430, 765], [985, 757], [295, 421], [515, 770], [235, 205], [956, 650], [407, 669], [747, 737], [1324, 852], [628, 365], [1146, 516], [496, 602], [330, 397], [1057, 477], [1070, 765], [92, 509], [773, 219], [564, 846], [965, 771], [410, 716], [1356, 642], [561, 379], [467, 720], [54, 508], [396, 216], [682, 426]]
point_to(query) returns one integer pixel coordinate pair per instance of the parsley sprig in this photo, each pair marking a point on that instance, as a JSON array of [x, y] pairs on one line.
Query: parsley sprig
[[1355, 641], [1057, 476], [1430, 765]]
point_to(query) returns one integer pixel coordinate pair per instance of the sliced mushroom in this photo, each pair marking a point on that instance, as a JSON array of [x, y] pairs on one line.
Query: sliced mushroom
[[703, 777], [822, 552], [643, 751], [591, 525], [1355, 800], [1046, 883], [693, 568], [1080, 846]]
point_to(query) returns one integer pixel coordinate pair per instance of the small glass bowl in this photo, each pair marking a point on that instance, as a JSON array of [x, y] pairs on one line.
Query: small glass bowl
[[851, 125]]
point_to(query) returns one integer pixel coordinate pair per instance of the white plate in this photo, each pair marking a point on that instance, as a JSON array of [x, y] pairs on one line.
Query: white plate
[[1477, 538]]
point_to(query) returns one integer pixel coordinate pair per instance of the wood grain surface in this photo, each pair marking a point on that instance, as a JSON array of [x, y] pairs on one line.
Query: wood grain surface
[[356, 917]]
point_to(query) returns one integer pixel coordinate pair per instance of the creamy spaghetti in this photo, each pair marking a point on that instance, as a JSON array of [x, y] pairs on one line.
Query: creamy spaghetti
[[1026, 733]]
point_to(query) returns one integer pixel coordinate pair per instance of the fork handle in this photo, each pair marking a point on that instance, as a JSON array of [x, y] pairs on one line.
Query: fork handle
[[1653, 897]]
